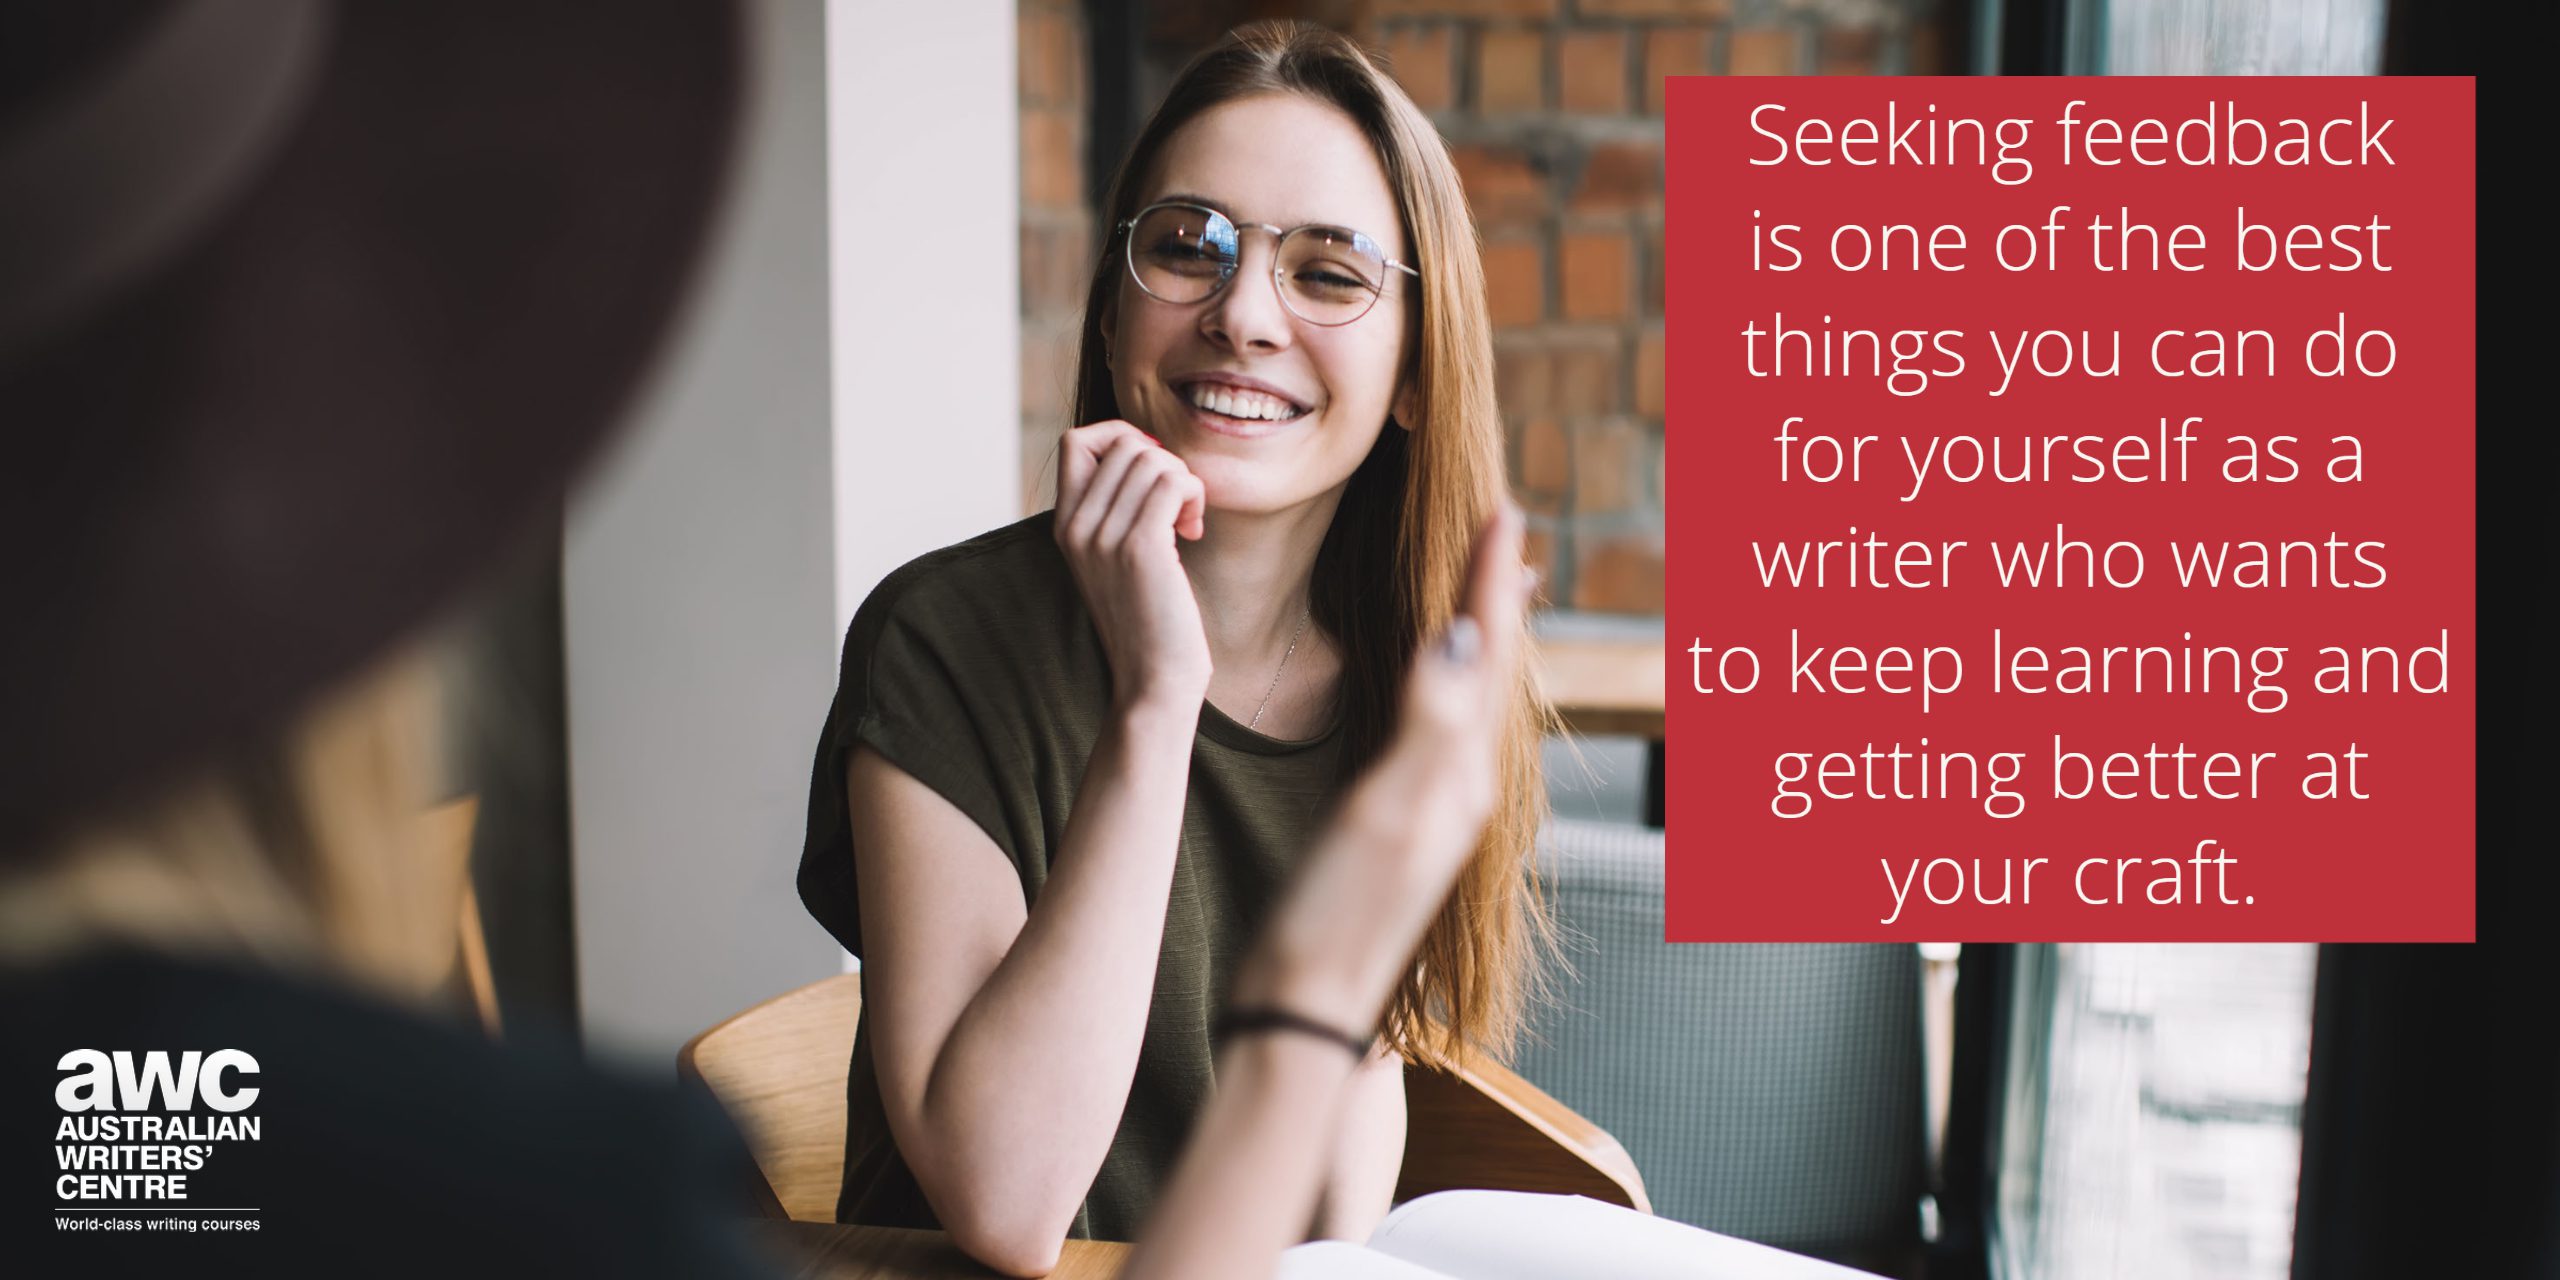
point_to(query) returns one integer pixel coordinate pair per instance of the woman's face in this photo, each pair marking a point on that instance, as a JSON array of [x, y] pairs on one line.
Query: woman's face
[[1285, 160]]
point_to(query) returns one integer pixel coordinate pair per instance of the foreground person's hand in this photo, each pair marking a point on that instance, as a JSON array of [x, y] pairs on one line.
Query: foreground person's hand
[[1337, 946], [1248, 1181]]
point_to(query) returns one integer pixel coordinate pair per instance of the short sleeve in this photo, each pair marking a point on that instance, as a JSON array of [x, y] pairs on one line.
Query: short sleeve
[[905, 688]]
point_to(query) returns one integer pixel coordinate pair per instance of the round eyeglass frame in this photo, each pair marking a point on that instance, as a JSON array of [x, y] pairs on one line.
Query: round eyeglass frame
[[1280, 236]]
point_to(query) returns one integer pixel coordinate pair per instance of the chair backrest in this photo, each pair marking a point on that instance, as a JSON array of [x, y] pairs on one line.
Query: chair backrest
[[779, 1070], [1477, 1125], [1773, 1091]]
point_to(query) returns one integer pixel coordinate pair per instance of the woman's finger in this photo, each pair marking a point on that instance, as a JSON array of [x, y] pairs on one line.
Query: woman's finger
[[1147, 473], [1461, 684], [1497, 584], [1080, 454], [1094, 504], [1163, 505], [1192, 520]]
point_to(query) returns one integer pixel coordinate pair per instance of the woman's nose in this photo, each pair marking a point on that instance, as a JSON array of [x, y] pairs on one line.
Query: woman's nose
[[1248, 314]]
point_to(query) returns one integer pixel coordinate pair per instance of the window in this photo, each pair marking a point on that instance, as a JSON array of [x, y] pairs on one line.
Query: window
[[2227, 37], [2153, 1117]]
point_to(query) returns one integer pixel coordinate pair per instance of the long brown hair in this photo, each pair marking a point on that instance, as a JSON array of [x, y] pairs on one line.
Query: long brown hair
[[1391, 567]]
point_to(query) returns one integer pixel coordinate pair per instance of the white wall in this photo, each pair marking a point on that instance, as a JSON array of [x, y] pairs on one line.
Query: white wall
[[772, 474], [922, 111]]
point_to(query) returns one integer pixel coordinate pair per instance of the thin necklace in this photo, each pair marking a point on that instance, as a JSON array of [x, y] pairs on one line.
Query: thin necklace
[[1284, 666]]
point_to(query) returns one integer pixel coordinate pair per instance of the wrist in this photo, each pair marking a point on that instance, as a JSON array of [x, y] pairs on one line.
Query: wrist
[[1243, 1020], [1159, 710], [1305, 1058], [1273, 976], [1328, 980]]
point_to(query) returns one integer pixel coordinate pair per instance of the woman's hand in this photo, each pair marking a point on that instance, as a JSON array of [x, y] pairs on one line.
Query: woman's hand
[[1122, 500]]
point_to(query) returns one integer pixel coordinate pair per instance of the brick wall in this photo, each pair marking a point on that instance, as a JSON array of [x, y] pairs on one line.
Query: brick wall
[[1057, 228], [1553, 109]]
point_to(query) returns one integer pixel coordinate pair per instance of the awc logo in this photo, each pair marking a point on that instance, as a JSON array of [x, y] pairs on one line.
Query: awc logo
[[100, 1081]]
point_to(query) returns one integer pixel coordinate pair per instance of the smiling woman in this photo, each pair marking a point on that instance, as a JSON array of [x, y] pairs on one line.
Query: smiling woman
[[1073, 762], [1298, 320]]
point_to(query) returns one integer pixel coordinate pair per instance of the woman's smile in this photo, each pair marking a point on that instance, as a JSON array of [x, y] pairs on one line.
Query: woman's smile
[[1234, 404]]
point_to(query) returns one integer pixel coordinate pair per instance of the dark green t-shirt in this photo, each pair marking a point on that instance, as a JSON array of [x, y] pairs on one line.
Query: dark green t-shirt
[[976, 669]]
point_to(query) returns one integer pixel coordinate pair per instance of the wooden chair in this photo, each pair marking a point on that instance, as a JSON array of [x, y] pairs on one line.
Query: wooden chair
[[1479, 1125], [779, 1069]]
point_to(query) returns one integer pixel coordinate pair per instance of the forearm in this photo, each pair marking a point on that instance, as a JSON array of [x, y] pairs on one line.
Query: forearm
[[1250, 1179], [1030, 1083], [1247, 1182], [1368, 1153], [1328, 964]]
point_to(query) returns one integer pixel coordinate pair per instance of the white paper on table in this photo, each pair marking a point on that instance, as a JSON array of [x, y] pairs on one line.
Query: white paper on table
[[1343, 1260], [1514, 1235]]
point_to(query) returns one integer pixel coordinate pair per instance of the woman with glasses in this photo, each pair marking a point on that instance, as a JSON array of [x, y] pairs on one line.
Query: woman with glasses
[[1072, 763]]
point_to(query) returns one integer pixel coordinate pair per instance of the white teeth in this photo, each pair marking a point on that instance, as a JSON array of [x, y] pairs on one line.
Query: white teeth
[[1236, 402]]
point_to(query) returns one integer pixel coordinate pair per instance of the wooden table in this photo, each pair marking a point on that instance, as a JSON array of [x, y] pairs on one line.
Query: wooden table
[[1610, 686], [1604, 687], [829, 1251]]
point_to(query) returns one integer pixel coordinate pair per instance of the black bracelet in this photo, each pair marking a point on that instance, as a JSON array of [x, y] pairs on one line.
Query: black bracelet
[[1235, 1022]]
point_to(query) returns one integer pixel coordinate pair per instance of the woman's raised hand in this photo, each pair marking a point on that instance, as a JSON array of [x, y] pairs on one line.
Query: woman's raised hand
[[1458, 699], [1122, 500]]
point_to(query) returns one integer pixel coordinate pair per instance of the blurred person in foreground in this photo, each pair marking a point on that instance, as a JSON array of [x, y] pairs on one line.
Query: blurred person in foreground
[[305, 310]]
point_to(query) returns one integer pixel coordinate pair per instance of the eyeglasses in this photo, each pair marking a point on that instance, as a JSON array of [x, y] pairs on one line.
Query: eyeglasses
[[1185, 253]]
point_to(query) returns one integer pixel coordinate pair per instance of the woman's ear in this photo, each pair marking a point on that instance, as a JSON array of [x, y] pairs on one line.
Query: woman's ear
[[1407, 409]]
